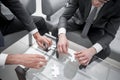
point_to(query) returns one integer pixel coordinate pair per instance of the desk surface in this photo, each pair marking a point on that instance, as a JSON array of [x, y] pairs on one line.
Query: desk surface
[[97, 70]]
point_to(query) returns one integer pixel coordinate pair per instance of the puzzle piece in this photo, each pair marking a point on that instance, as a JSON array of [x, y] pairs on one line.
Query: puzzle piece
[[55, 71], [72, 56], [72, 59], [37, 75]]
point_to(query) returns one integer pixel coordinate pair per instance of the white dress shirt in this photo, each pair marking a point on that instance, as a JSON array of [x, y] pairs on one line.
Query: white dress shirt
[[97, 46], [3, 56]]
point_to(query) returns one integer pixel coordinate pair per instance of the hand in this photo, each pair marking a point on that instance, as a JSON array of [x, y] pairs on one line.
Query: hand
[[62, 45], [29, 60], [85, 56], [42, 41]]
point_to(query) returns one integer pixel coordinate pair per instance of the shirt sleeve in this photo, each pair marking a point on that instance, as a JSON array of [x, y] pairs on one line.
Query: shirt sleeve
[[62, 30], [3, 58], [34, 31], [98, 47]]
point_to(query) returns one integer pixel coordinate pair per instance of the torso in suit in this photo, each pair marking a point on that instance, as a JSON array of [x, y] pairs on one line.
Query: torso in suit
[[22, 21], [16, 7], [104, 27]]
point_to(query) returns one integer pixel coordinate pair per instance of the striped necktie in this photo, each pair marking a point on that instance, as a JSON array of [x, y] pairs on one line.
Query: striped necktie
[[89, 21]]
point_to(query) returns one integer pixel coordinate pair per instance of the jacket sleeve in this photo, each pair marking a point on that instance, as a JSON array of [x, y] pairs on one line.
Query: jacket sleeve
[[20, 12], [70, 8], [110, 30]]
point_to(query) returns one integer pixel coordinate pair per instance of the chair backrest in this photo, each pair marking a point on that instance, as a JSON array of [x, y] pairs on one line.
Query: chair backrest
[[49, 7], [30, 5]]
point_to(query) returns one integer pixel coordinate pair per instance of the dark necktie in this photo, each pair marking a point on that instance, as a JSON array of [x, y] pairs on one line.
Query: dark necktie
[[89, 21]]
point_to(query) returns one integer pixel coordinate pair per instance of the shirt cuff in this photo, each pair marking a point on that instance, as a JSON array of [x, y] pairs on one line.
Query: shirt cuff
[[3, 58], [62, 30], [34, 31], [98, 47]]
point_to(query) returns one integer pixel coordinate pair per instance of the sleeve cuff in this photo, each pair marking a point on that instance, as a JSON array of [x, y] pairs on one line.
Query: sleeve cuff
[[98, 47], [62, 30], [3, 58], [34, 31]]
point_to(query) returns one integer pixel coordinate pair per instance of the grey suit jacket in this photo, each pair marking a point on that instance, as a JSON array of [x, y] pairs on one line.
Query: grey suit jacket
[[108, 18]]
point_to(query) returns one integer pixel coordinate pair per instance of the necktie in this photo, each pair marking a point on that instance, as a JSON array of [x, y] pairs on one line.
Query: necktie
[[89, 21]]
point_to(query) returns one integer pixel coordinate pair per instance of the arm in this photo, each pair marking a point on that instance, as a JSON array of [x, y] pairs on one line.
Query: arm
[[110, 30], [70, 9], [18, 10], [28, 60]]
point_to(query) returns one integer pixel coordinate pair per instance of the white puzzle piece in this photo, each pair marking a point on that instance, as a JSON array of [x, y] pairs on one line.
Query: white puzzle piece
[[55, 71], [72, 56]]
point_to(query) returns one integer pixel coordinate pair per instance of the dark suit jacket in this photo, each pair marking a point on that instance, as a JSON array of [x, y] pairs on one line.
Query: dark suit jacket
[[108, 18], [18, 10]]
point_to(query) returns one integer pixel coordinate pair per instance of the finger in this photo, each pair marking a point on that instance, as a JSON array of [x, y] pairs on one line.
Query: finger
[[50, 41], [79, 55], [39, 56], [40, 44], [82, 58], [83, 62], [43, 60], [42, 63], [38, 66], [59, 48], [46, 41], [86, 62], [64, 48]]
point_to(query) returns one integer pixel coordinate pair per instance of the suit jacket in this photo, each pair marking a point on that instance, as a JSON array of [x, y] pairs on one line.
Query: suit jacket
[[1, 40], [108, 18], [18, 10]]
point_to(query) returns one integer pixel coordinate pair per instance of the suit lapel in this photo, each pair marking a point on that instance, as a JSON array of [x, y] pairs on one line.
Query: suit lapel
[[87, 8], [105, 9]]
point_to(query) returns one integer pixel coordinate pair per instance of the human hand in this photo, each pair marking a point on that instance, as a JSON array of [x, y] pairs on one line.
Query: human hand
[[85, 56], [62, 45], [28, 60], [42, 41]]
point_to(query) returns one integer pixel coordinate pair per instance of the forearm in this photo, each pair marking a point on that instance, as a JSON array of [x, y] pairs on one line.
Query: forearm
[[70, 9], [20, 12], [62, 22], [14, 59], [105, 40], [110, 30]]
